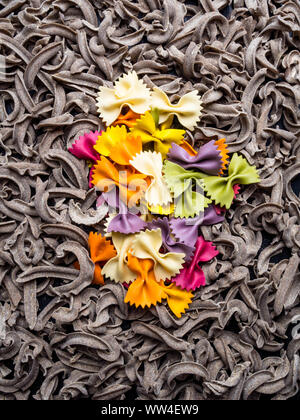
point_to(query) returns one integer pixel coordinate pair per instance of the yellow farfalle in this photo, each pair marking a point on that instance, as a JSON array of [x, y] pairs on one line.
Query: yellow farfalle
[[110, 138], [187, 110], [163, 137], [147, 245], [129, 92], [162, 210], [150, 164], [119, 145], [178, 299]]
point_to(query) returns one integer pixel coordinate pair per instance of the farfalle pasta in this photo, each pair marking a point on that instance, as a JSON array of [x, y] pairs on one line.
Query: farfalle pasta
[[131, 184], [111, 137], [185, 230], [101, 251], [187, 187], [125, 221], [119, 145], [84, 147], [145, 290], [162, 136], [187, 110], [191, 277], [159, 190], [128, 118], [239, 172], [147, 245], [150, 164], [208, 159], [168, 241], [116, 268], [129, 92]]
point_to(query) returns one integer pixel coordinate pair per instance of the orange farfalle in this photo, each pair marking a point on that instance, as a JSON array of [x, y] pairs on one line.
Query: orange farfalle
[[145, 290], [188, 148], [125, 151], [223, 149], [101, 251], [129, 119], [132, 185]]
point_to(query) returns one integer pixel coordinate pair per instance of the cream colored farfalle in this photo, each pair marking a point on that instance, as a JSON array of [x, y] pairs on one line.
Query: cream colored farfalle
[[128, 91], [187, 110], [151, 163], [116, 269], [147, 246]]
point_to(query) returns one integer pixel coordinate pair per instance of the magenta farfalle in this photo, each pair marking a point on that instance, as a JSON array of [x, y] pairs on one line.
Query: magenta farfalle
[[192, 276], [83, 148]]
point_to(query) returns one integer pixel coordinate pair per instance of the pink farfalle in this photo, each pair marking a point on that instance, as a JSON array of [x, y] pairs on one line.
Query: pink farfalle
[[83, 148], [219, 210], [191, 276], [91, 176]]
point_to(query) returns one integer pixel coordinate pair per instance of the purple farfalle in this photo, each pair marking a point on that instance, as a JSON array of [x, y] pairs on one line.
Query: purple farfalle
[[207, 160], [186, 230], [125, 221], [112, 199], [83, 148], [170, 244]]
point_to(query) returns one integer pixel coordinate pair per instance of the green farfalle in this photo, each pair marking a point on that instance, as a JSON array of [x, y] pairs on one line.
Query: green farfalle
[[220, 189], [187, 187]]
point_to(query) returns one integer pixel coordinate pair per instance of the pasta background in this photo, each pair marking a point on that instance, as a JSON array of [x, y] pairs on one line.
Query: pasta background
[[242, 56]]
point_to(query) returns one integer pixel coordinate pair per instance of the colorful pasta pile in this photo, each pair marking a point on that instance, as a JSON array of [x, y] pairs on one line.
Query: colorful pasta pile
[[157, 190]]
